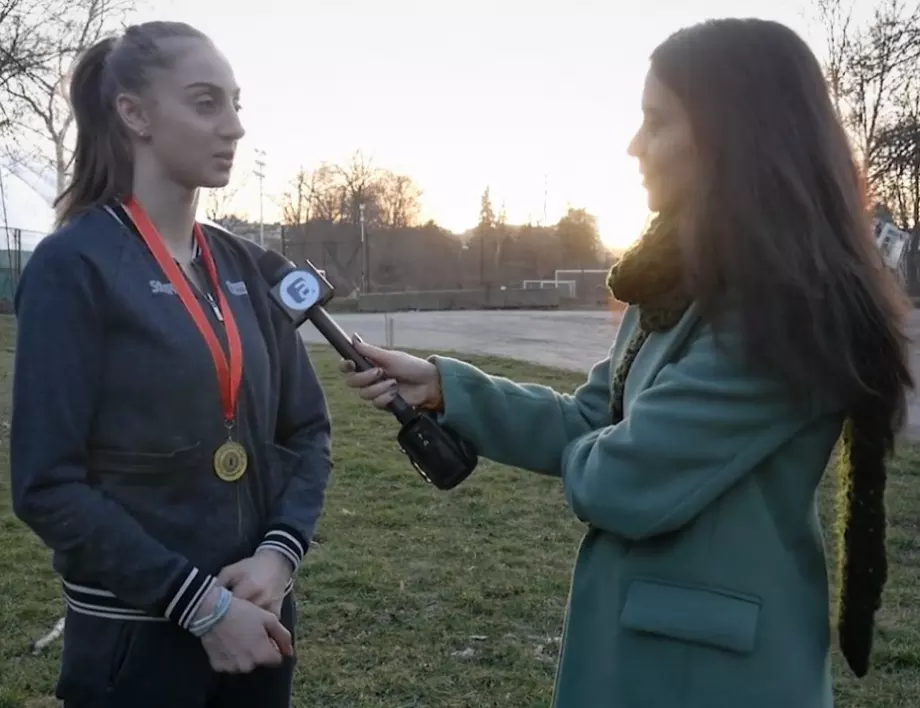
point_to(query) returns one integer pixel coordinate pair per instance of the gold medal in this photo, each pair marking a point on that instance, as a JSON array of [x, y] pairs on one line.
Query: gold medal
[[230, 461]]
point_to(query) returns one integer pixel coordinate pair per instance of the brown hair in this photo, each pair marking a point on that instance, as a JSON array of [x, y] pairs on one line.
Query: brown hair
[[782, 227], [102, 161]]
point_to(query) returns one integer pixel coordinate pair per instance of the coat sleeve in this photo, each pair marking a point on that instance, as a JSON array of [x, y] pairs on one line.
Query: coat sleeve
[[524, 425], [303, 433], [58, 364], [706, 421]]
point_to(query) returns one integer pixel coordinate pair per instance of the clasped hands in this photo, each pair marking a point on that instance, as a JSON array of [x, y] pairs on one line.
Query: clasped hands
[[251, 633], [260, 579]]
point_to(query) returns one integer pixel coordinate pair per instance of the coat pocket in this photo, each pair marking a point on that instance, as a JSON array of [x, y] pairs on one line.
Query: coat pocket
[[131, 466], [701, 615], [122, 650], [96, 652]]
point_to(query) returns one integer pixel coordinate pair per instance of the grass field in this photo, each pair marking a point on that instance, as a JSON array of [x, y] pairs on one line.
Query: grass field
[[414, 597]]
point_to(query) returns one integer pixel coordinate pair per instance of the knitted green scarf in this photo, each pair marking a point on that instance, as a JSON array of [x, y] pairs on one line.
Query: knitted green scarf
[[650, 276]]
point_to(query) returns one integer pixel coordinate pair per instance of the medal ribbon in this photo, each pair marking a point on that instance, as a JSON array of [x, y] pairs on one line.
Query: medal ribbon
[[229, 373]]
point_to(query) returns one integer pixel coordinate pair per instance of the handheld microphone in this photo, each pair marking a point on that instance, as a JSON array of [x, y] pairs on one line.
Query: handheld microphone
[[437, 453]]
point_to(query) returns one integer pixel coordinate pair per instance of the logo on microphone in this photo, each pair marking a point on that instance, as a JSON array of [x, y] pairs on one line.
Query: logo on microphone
[[299, 290]]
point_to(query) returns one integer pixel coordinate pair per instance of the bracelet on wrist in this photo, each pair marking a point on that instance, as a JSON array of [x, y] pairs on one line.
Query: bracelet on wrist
[[202, 626]]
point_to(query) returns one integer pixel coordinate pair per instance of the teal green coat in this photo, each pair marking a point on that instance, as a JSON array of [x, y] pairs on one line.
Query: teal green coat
[[701, 581]]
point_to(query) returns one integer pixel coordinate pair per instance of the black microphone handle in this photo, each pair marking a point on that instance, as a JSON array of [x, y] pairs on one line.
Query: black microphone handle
[[341, 342]]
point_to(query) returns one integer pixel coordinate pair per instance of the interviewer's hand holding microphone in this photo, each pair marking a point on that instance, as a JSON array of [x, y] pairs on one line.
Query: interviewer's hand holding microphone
[[394, 373], [406, 386]]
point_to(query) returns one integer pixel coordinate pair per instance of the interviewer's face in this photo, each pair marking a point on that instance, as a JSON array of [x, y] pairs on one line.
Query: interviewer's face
[[664, 147]]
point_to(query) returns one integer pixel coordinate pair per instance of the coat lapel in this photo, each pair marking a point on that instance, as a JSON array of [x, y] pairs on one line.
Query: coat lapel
[[659, 349]]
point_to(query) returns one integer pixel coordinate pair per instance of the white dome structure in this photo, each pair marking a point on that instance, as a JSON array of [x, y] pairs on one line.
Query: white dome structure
[[26, 216], [26, 198]]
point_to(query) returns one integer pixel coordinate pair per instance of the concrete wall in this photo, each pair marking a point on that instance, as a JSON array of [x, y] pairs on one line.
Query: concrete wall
[[512, 298]]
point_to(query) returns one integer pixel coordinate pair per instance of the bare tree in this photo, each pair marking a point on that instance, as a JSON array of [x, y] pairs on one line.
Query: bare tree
[[69, 27], [298, 201], [867, 67], [398, 200], [836, 20], [23, 49], [897, 172], [219, 205], [360, 184], [896, 169], [328, 194], [335, 193]]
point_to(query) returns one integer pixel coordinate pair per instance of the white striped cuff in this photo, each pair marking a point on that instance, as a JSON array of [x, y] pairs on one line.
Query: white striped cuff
[[286, 541]]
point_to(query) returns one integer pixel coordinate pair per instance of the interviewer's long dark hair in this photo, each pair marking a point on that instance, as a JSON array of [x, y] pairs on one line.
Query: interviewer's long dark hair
[[782, 225]]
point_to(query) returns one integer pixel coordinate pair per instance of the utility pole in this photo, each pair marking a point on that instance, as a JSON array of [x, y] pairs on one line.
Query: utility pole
[[365, 280], [545, 196], [260, 173], [482, 259]]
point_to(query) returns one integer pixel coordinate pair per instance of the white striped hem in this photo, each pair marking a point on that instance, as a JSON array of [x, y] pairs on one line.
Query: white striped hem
[[95, 602]]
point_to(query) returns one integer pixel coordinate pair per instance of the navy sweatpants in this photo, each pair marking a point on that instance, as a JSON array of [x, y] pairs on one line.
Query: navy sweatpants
[[129, 664]]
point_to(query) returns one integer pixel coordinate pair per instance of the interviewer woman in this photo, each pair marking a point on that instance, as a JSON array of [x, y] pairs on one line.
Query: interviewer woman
[[761, 325]]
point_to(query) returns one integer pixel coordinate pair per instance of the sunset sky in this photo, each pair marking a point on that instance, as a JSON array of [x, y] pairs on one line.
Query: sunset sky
[[515, 94]]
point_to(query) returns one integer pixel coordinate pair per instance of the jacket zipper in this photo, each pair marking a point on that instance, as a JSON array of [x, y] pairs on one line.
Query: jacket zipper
[[239, 499], [213, 304]]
